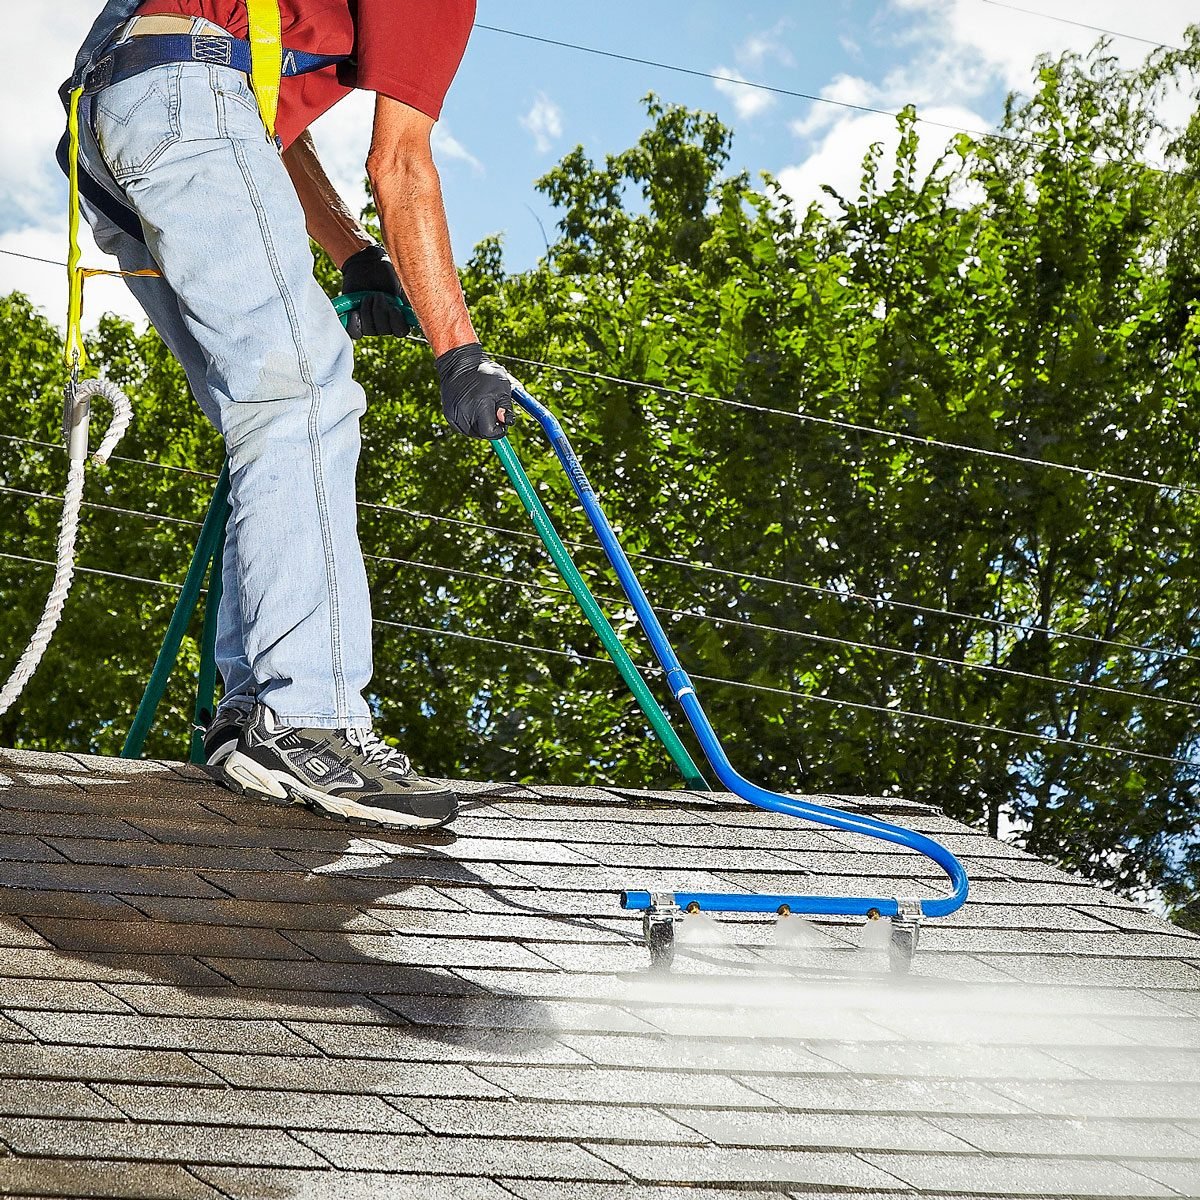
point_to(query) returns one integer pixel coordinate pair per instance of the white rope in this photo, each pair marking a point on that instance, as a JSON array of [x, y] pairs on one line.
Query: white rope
[[76, 429]]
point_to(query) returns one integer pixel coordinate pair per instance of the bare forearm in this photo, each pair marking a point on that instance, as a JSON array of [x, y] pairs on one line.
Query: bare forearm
[[413, 216], [330, 223]]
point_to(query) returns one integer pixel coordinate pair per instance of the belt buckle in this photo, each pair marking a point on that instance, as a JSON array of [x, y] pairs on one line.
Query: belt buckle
[[210, 48], [100, 75]]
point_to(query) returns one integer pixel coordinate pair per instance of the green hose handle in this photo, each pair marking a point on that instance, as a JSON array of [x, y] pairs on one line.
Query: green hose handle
[[344, 305]]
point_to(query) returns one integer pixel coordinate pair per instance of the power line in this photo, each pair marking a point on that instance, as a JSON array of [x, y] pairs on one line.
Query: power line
[[808, 418], [1131, 37], [851, 426], [109, 508], [42, 562], [907, 713], [703, 568], [137, 462], [1096, 747], [729, 622], [823, 639], [37, 258], [749, 83], [816, 588]]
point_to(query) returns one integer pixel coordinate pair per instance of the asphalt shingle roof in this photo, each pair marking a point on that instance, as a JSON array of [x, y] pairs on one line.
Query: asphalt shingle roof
[[202, 996]]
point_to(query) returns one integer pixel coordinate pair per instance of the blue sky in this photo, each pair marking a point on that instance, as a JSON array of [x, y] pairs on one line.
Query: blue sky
[[517, 106]]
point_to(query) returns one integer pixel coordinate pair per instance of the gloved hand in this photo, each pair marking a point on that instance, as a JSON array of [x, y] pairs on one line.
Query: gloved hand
[[371, 271], [475, 391]]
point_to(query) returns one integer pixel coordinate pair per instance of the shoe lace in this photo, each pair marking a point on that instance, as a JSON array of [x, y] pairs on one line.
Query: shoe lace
[[377, 752]]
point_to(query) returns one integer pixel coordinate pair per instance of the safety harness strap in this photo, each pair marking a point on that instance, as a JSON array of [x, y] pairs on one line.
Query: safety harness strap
[[266, 57], [139, 54]]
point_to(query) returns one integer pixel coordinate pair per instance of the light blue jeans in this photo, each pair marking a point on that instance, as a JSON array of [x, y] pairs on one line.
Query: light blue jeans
[[271, 367]]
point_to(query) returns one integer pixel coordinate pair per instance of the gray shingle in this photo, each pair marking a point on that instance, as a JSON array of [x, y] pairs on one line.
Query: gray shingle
[[699, 1054], [53, 1098], [159, 1033], [1184, 1177], [58, 995], [112, 1181], [820, 1131], [851, 1094], [159, 1000], [256, 1184], [459, 1156], [623, 1087], [551, 1122], [720, 1165], [115, 1140], [1014, 1176], [407, 1044], [363, 1076], [528, 1189], [436, 1014], [256, 1108], [1074, 1138], [1107, 1098], [93, 1063]]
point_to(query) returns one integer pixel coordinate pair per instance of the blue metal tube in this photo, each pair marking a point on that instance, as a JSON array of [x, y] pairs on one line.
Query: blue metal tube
[[684, 692], [738, 902]]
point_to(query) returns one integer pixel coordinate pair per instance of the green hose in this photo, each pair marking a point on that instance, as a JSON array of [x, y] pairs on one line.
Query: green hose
[[595, 615]]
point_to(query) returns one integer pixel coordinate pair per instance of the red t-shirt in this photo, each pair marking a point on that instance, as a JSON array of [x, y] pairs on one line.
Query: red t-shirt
[[406, 49]]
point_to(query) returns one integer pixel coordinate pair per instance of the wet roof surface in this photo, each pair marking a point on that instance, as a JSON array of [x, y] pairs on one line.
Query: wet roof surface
[[202, 996]]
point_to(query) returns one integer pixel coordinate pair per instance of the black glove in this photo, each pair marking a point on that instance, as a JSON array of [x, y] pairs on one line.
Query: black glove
[[474, 389], [371, 271]]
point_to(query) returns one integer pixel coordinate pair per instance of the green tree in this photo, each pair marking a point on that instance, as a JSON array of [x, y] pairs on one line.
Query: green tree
[[1033, 295]]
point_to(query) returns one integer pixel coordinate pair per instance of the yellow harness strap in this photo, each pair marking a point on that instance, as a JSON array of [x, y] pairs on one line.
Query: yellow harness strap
[[266, 75], [73, 348], [266, 57]]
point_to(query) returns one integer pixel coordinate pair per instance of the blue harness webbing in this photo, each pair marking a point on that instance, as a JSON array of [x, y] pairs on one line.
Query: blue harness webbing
[[139, 54]]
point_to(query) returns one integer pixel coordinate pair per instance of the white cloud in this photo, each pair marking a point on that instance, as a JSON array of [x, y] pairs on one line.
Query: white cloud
[[544, 122], [46, 284], [748, 101], [342, 137], [447, 146], [957, 56], [759, 47], [837, 159]]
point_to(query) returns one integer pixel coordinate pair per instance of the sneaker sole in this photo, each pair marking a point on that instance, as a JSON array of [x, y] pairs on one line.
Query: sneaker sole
[[250, 778]]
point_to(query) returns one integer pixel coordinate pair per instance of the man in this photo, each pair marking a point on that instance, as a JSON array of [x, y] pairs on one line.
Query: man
[[192, 185]]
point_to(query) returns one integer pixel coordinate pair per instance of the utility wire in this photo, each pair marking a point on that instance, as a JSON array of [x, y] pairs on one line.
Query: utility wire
[[1096, 747], [819, 589], [806, 635], [994, 134], [663, 610], [748, 83], [42, 562], [1131, 37], [809, 418], [37, 258], [109, 508], [137, 462], [851, 426], [704, 568]]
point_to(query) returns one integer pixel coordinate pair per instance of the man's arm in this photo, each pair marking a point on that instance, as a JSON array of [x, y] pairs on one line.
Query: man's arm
[[330, 223], [408, 195]]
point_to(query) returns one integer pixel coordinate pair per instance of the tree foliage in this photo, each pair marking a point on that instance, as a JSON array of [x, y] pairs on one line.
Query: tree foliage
[[1034, 294]]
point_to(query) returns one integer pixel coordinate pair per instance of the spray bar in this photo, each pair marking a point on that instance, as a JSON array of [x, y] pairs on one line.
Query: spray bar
[[659, 910]]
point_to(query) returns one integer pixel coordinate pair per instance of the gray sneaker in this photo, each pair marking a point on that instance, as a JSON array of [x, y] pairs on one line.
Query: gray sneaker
[[343, 773]]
